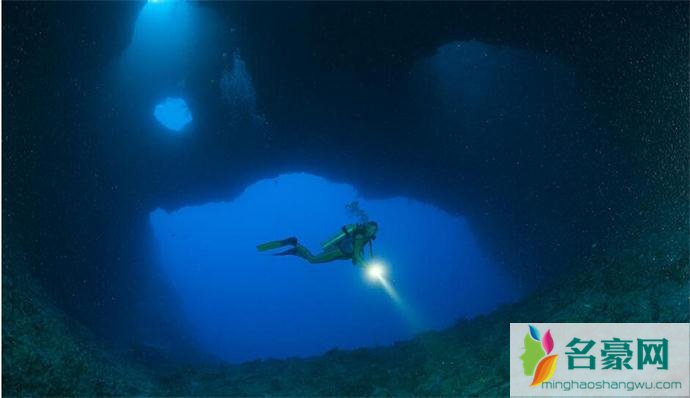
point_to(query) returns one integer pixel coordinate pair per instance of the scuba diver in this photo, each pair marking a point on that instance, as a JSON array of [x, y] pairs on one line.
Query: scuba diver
[[348, 244]]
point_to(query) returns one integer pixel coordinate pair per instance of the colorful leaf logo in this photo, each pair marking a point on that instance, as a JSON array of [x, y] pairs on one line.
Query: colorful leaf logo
[[534, 332], [547, 342], [545, 370]]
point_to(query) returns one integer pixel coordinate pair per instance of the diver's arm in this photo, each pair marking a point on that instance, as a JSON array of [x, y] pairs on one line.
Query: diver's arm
[[358, 253]]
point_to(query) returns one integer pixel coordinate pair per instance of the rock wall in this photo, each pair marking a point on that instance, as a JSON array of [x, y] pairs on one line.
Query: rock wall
[[81, 173]]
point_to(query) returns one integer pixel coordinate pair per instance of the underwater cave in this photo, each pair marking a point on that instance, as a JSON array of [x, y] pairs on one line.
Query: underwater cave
[[523, 163], [246, 305]]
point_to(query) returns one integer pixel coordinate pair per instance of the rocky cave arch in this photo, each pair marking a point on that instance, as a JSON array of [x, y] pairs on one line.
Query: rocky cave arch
[[123, 173]]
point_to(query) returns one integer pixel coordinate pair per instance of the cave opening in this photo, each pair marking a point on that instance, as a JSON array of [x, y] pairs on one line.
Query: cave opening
[[173, 114], [503, 149], [243, 305]]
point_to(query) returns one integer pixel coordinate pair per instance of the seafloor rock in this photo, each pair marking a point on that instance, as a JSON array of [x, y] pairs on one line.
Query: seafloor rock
[[44, 353], [625, 280]]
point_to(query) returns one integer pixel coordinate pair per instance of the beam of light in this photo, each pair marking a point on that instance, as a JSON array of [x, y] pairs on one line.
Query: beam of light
[[389, 289], [376, 272], [164, 42]]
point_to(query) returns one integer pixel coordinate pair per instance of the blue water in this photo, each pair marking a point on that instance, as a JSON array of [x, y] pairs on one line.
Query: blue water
[[245, 305]]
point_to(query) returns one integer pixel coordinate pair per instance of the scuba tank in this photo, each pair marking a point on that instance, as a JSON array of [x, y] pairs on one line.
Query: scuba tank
[[345, 230]]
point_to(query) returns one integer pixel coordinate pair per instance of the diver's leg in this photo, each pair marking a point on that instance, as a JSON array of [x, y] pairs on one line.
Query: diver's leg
[[276, 244], [303, 252]]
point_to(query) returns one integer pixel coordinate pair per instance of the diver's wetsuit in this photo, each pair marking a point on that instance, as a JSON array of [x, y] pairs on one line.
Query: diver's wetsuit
[[350, 246], [328, 255]]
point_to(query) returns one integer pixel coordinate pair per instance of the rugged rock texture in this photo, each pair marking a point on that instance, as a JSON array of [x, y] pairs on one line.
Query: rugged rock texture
[[83, 171], [82, 161], [45, 353]]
